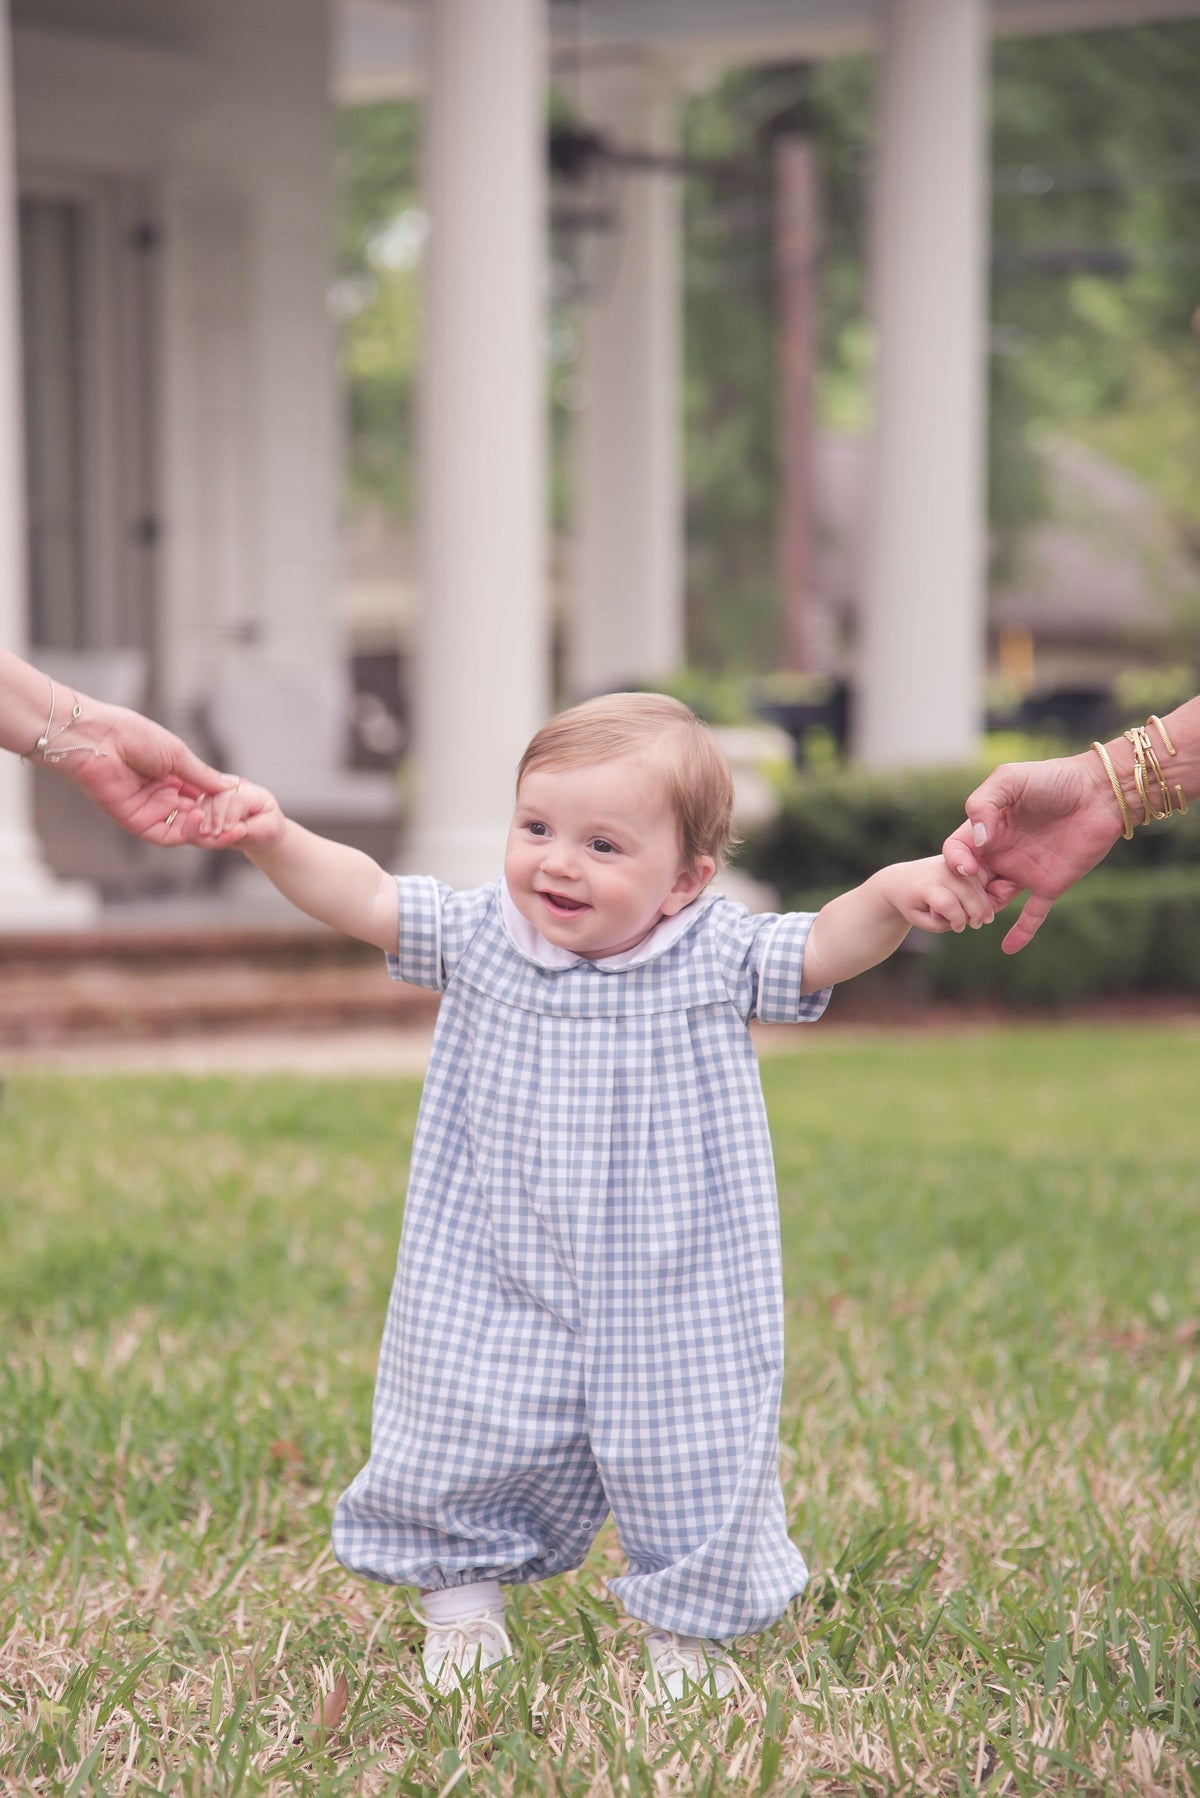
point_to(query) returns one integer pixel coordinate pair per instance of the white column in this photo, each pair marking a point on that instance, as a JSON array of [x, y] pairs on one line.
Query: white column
[[922, 652], [250, 451], [30, 899], [481, 680], [628, 585]]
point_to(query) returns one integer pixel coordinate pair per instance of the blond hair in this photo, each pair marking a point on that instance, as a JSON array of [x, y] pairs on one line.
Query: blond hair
[[671, 739]]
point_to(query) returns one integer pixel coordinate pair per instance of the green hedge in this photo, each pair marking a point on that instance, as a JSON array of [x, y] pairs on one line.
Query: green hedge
[[1113, 933], [835, 829], [1126, 933], [1131, 926]]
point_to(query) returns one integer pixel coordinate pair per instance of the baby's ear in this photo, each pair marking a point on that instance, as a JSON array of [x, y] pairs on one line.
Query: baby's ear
[[689, 884]]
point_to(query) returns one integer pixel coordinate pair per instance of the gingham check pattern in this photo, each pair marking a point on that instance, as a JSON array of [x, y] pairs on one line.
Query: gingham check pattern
[[587, 1311]]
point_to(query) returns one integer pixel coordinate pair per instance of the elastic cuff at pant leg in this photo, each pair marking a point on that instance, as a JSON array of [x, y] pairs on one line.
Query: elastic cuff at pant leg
[[451, 1603]]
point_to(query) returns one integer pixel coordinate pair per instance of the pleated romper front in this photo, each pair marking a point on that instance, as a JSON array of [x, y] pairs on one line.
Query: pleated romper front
[[587, 1313]]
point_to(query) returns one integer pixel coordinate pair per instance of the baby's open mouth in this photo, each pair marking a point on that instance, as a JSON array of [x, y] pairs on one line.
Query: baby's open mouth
[[561, 905]]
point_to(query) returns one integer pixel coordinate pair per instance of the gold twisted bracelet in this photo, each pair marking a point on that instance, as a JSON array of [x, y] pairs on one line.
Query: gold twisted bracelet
[[1126, 820]]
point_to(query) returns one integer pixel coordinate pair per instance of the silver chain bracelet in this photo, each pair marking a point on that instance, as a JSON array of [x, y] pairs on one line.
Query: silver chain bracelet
[[50, 736]]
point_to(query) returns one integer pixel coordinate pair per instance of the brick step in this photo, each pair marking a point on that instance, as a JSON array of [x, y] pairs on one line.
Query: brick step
[[102, 985]]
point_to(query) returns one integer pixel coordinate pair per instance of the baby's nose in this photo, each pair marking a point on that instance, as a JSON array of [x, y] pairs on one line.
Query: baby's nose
[[559, 856]]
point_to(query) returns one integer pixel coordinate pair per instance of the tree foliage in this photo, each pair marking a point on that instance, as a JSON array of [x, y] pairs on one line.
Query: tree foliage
[[1097, 149], [1095, 294], [376, 298]]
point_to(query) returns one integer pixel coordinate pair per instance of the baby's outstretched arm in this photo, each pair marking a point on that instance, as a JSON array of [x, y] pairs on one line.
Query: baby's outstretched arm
[[338, 885], [858, 929]]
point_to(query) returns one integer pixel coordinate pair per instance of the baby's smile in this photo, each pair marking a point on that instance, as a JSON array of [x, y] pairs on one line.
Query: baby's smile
[[561, 906]]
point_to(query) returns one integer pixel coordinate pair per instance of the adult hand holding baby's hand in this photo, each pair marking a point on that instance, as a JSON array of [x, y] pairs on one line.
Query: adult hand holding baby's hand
[[1036, 826], [241, 816], [930, 895]]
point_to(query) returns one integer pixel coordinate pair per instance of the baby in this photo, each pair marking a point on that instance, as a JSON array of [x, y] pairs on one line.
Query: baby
[[587, 1313]]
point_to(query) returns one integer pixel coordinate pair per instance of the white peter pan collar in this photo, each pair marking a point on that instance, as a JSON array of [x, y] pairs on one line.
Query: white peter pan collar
[[530, 943]]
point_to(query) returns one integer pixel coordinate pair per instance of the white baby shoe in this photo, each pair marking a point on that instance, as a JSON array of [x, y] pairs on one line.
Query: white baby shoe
[[687, 1666], [458, 1645]]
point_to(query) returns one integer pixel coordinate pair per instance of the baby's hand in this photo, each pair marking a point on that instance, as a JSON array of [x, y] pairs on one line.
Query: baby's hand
[[930, 895], [239, 817]]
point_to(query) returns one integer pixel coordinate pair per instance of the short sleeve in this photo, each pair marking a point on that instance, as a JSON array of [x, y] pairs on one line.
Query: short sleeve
[[418, 958], [780, 958], [436, 924]]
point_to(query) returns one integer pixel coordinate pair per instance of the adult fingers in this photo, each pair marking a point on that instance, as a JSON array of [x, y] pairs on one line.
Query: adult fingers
[[187, 767], [222, 809], [984, 809], [959, 851], [1033, 915]]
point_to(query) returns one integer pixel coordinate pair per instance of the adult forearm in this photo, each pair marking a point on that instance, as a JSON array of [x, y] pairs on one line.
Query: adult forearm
[[24, 703], [333, 883]]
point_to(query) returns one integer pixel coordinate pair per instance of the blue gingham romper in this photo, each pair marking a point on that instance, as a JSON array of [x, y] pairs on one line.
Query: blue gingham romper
[[587, 1313]]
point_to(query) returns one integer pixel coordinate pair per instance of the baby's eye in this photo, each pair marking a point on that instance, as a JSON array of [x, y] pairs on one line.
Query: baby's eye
[[602, 846], [537, 829]]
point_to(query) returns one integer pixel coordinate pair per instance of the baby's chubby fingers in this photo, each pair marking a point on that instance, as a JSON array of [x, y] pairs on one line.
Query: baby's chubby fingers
[[196, 825], [957, 903], [944, 908], [977, 903], [243, 817], [218, 820]]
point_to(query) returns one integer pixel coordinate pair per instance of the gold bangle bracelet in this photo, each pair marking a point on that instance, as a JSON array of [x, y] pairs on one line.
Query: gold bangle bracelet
[[1146, 763], [1126, 820], [1160, 780], [1161, 728], [1181, 803]]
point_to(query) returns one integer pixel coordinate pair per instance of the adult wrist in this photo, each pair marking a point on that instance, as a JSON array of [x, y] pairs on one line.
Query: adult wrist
[[66, 731], [1143, 789], [89, 728]]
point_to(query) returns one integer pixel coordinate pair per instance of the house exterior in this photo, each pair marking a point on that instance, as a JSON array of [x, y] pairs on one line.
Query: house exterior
[[168, 416], [172, 165]]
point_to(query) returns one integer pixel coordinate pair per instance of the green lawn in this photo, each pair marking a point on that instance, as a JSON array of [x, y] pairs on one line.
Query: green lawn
[[990, 1445]]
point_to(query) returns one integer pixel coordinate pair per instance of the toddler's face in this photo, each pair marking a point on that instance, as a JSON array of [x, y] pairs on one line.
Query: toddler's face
[[593, 858]]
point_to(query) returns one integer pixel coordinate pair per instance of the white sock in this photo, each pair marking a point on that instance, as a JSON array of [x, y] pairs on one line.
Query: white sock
[[454, 1602]]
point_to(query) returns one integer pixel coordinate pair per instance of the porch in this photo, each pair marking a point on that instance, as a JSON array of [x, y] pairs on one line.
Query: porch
[[168, 510]]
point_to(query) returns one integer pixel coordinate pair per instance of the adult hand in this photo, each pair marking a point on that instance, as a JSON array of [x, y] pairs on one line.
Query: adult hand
[[1036, 827], [141, 774]]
